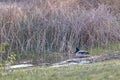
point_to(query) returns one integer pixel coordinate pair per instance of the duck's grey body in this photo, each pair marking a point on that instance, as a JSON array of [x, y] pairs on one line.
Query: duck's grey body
[[81, 53]]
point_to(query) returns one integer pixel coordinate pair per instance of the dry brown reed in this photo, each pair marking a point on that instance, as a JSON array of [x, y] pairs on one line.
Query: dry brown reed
[[54, 25]]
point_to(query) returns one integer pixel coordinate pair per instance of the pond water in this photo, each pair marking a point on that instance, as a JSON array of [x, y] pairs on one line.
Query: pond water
[[20, 66], [62, 63]]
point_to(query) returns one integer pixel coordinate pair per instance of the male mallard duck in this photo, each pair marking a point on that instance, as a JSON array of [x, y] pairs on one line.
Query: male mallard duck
[[81, 53]]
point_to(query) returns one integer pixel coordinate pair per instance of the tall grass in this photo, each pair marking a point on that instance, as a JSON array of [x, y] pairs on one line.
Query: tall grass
[[58, 26]]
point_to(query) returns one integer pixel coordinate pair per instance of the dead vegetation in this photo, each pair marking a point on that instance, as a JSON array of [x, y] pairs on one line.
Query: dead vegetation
[[11, 13], [52, 25]]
